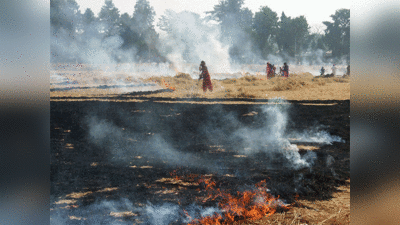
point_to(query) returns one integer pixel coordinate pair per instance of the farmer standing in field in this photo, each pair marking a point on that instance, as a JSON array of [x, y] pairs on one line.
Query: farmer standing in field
[[205, 76], [273, 70], [269, 70], [333, 70], [285, 70]]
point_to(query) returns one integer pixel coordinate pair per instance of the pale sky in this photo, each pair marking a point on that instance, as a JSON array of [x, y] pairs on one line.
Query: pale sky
[[315, 11]]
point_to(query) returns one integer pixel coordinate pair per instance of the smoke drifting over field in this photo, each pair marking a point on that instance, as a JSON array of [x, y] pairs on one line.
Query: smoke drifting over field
[[271, 140], [109, 212], [187, 39], [190, 39]]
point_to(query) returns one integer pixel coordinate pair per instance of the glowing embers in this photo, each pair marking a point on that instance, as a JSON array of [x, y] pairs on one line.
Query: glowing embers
[[247, 205], [251, 204], [167, 85]]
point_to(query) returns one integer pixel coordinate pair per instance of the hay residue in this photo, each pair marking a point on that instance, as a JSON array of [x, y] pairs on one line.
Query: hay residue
[[250, 86], [301, 86], [183, 76], [289, 84]]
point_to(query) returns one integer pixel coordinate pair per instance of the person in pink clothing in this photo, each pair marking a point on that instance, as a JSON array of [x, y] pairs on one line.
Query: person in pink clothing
[[285, 70], [269, 71], [205, 76]]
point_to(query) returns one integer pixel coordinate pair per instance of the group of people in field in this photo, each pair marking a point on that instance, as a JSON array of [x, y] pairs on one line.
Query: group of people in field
[[334, 70], [207, 85], [271, 70]]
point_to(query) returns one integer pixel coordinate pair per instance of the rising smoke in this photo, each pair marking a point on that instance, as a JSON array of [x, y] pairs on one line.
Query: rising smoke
[[112, 212], [187, 39], [190, 39], [272, 140]]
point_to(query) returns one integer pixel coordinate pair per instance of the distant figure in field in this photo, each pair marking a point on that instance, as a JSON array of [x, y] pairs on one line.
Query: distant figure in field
[[205, 76], [348, 70], [333, 70], [273, 70], [269, 70], [285, 70], [281, 71], [322, 71]]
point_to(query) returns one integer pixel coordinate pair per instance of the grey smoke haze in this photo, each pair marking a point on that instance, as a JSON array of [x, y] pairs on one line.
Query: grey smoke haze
[[188, 40], [315, 135], [272, 139], [123, 148], [163, 214], [106, 212]]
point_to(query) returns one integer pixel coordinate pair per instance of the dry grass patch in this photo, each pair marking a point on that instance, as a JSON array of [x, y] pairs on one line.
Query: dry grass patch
[[288, 84], [320, 81], [241, 93]]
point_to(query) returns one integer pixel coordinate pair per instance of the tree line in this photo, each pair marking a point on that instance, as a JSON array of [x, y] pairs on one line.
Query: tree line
[[264, 31]]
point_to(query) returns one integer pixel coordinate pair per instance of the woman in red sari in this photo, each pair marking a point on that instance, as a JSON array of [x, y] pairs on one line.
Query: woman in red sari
[[205, 76], [285, 70]]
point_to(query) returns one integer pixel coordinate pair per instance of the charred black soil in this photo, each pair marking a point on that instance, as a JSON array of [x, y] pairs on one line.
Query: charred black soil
[[86, 172]]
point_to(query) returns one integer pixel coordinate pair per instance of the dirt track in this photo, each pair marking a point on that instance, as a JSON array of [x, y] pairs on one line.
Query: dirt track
[[83, 173]]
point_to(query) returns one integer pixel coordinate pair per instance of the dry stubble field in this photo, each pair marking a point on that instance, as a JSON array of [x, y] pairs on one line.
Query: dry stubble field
[[85, 172]]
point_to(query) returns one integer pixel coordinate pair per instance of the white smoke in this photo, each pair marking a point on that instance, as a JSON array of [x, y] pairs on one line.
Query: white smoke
[[315, 135], [108, 135], [271, 139], [106, 64], [274, 140], [190, 39], [164, 214], [124, 212]]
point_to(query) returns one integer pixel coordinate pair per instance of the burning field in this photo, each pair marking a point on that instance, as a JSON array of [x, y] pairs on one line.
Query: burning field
[[157, 150]]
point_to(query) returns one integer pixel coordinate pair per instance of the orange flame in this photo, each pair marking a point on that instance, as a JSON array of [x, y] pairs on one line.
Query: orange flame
[[247, 205], [167, 85]]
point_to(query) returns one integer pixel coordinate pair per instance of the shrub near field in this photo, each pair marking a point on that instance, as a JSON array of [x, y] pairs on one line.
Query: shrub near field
[[297, 86]]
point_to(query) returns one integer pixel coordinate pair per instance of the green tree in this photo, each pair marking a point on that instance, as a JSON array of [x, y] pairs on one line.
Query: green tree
[[88, 27], [64, 14], [228, 14], [127, 33], [314, 41], [226, 10], [292, 34], [88, 23], [110, 19], [337, 34], [300, 32], [235, 23], [246, 19], [125, 19], [284, 40], [143, 16], [143, 25], [88, 17], [65, 19], [165, 21], [265, 26]]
